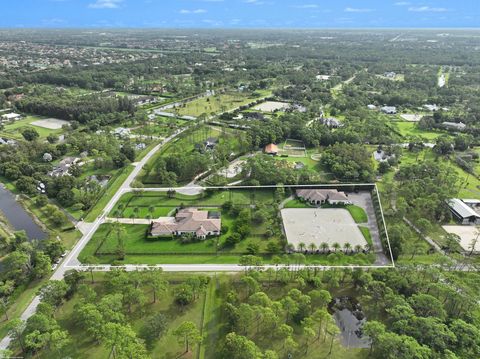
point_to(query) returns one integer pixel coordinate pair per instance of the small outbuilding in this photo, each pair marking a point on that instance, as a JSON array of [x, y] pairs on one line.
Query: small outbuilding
[[271, 149], [462, 212]]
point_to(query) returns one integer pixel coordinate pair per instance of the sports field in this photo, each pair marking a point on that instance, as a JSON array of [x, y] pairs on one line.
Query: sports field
[[14, 130], [469, 237], [321, 225], [50, 123], [294, 148], [272, 106]]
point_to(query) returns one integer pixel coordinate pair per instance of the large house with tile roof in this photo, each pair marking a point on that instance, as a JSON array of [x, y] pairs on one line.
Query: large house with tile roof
[[323, 196], [188, 220]]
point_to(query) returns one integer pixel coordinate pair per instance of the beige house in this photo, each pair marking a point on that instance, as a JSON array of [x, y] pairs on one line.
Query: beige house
[[188, 220], [323, 196]]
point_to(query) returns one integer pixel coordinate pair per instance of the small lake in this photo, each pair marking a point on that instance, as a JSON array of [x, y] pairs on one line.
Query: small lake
[[18, 218], [350, 320]]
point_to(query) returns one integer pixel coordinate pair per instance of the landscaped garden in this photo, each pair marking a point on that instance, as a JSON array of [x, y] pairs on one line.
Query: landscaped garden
[[250, 221]]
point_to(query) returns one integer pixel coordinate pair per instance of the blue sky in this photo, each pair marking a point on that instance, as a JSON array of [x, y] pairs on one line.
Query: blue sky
[[241, 13]]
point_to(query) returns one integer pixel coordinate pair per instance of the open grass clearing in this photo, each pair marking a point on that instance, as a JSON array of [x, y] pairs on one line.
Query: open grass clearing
[[217, 103], [410, 129]]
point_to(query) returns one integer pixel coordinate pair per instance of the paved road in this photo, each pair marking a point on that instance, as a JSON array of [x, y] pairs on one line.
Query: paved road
[[364, 200], [71, 260]]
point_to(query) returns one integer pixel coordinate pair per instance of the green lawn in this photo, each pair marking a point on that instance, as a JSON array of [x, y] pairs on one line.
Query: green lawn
[[358, 213], [218, 103], [296, 203], [410, 129], [162, 204], [140, 250], [366, 233], [307, 161]]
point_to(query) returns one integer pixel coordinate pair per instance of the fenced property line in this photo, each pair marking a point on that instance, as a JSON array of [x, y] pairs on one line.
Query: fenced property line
[[385, 232], [345, 186], [219, 267]]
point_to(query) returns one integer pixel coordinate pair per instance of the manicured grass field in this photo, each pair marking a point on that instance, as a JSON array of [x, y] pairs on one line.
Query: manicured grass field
[[358, 213], [296, 203], [162, 204], [366, 233]]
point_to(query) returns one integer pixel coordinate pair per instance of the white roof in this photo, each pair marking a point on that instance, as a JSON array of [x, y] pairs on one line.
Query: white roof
[[462, 209], [11, 115], [471, 201]]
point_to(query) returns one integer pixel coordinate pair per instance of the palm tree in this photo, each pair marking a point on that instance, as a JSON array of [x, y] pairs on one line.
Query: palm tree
[[336, 246], [312, 247], [151, 209], [301, 246], [324, 246], [347, 247], [290, 247], [358, 248]]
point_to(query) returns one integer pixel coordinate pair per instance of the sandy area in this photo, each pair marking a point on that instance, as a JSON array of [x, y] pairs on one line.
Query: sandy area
[[318, 225], [467, 235], [411, 117], [50, 123], [271, 106]]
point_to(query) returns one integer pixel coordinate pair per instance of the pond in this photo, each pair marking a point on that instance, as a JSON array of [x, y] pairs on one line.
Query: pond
[[16, 215], [350, 318]]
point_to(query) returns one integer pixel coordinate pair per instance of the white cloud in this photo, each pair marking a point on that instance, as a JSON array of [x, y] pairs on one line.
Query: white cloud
[[255, 2], [105, 4], [352, 9], [401, 3], [196, 11], [306, 6], [427, 9]]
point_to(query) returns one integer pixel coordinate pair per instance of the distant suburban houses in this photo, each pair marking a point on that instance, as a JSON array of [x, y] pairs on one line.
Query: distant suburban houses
[[63, 167], [459, 126], [331, 122], [323, 196], [389, 110], [463, 210], [8, 117], [188, 221], [382, 156]]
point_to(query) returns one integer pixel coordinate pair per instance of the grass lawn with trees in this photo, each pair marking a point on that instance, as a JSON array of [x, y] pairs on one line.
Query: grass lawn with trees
[[410, 129], [167, 346], [218, 103], [158, 204]]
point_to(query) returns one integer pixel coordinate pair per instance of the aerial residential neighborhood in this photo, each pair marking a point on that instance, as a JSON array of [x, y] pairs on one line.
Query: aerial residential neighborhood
[[239, 179]]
